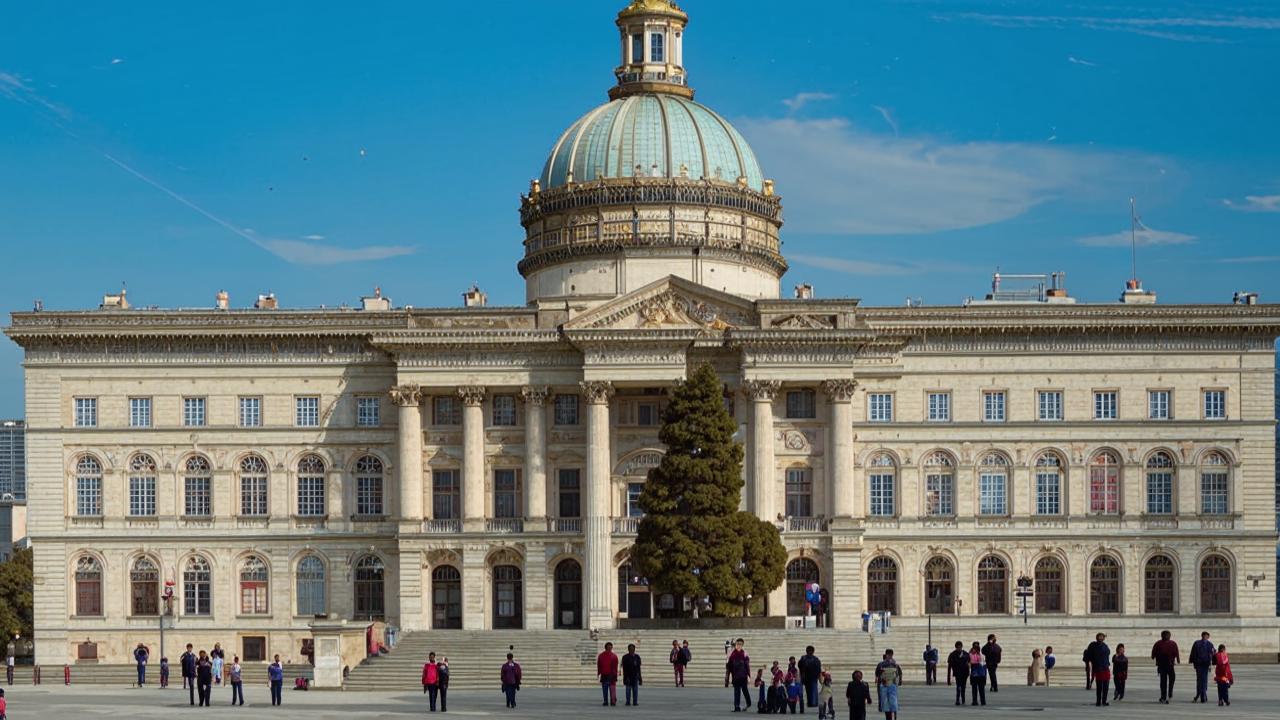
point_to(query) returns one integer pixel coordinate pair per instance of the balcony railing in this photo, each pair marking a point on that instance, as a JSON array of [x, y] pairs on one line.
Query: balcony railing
[[442, 527], [626, 525], [504, 526], [564, 525], [803, 524]]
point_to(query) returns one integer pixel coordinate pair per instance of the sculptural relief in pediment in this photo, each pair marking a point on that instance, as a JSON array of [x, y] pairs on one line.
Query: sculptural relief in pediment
[[670, 304]]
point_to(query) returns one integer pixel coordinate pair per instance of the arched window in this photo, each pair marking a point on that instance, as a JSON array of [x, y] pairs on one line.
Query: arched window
[[799, 492], [253, 486], [568, 594], [993, 485], [144, 587], [198, 481], [1215, 584], [508, 597], [1104, 483], [311, 487], [370, 589], [88, 486], [1104, 585], [88, 587], [312, 595], [1159, 585], [369, 486], [882, 585], [1048, 587], [939, 485], [446, 598], [1048, 484], [1160, 484], [800, 573], [993, 586], [939, 586], [882, 486], [1215, 484], [254, 586], [142, 486], [197, 587]]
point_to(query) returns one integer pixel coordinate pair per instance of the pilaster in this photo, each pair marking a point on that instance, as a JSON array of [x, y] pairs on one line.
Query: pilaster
[[846, 583], [412, 590], [474, 587]]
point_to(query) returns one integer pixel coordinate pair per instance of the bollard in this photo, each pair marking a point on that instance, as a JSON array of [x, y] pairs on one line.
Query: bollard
[[66, 674], [35, 674]]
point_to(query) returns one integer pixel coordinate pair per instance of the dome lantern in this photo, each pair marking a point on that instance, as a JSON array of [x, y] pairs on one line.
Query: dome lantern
[[652, 50]]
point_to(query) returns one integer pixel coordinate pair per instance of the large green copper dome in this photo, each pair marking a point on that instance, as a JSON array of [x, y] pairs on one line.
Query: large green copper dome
[[653, 135]]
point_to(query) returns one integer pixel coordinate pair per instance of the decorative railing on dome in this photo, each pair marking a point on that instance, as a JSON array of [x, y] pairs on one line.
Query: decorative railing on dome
[[639, 190]]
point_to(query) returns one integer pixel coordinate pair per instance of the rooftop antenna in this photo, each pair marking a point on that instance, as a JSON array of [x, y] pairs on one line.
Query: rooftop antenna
[[1134, 222]]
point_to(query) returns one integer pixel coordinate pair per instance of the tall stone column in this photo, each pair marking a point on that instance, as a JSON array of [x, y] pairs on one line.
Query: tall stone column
[[409, 460], [599, 531], [840, 397], [762, 480], [535, 453], [473, 500]]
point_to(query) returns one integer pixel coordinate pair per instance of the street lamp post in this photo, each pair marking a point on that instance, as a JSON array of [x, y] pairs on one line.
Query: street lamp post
[[1024, 592], [166, 612]]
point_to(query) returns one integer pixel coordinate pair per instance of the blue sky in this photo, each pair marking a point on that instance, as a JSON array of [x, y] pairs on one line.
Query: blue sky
[[917, 145]]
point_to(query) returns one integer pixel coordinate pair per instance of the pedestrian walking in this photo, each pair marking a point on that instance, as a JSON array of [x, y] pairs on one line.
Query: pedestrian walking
[[1119, 671], [1049, 662], [826, 706], [1035, 671], [431, 680], [795, 693], [442, 669], [164, 673], [275, 680], [977, 675], [674, 659], [140, 655], [4, 706], [761, 689], [631, 679], [1088, 669], [234, 677], [1201, 658], [810, 668], [1165, 653], [888, 678], [511, 677], [859, 697], [204, 678], [958, 668], [188, 664], [10, 658], [607, 673], [993, 654], [1222, 675], [218, 657], [930, 665], [737, 669], [1098, 657]]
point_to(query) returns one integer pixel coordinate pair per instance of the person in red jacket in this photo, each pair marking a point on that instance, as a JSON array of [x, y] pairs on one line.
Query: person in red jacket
[[607, 671], [431, 680]]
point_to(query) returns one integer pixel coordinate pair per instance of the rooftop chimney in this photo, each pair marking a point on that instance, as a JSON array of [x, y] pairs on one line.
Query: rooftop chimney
[[475, 297], [376, 301], [1134, 294], [267, 302], [804, 291], [222, 300], [118, 301]]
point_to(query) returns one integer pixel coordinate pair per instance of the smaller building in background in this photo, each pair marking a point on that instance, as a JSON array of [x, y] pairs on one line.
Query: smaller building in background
[[13, 459]]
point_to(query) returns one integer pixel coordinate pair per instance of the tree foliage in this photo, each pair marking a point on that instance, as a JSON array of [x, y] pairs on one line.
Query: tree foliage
[[16, 581], [693, 540]]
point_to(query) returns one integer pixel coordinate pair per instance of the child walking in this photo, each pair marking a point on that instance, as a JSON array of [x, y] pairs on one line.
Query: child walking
[[164, 672], [793, 694], [826, 704], [1119, 671], [1222, 675]]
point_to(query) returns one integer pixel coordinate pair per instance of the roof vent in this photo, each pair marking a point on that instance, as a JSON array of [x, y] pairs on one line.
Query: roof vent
[[376, 301], [267, 302], [1134, 294], [117, 301], [1245, 298], [804, 291], [475, 297], [222, 300]]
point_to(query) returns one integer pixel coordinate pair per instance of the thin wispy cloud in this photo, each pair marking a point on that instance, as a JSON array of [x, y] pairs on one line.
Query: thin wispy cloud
[[1145, 237], [1256, 203], [1170, 26], [887, 114], [869, 268], [1080, 61], [18, 89], [1248, 260], [797, 102], [312, 237], [840, 178]]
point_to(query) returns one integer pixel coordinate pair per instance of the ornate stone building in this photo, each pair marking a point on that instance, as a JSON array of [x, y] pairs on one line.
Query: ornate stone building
[[477, 467]]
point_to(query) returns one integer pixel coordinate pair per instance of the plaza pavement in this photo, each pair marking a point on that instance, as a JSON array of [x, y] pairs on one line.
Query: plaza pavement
[[1256, 695]]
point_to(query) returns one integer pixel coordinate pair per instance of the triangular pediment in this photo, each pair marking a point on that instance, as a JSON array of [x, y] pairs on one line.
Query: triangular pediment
[[671, 303]]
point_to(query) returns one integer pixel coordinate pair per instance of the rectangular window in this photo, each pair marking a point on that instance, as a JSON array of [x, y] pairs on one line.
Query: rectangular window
[[993, 406], [506, 493], [1104, 489], [140, 412], [881, 497], [570, 492], [306, 411], [250, 412], [633, 499], [446, 501], [1050, 405], [255, 648], [368, 411], [193, 412], [801, 404], [1215, 404], [1048, 493], [880, 407], [1160, 492], [799, 492], [142, 496], [253, 495], [647, 414], [504, 410], [369, 495], [566, 410], [89, 496], [198, 501], [939, 407], [939, 494], [1158, 405], [311, 495], [657, 51], [992, 498], [637, 48], [86, 412], [447, 410], [1106, 405], [1213, 493]]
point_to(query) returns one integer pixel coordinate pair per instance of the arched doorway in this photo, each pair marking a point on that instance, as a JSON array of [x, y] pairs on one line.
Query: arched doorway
[[939, 587], [993, 586], [508, 597], [882, 585], [446, 598], [370, 589], [568, 595], [800, 572], [634, 599]]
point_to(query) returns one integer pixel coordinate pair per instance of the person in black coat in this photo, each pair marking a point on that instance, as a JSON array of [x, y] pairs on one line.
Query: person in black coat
[[1098, 658], [631, 675], [810, 668], [188, 664], [992, 652], [958, 668], [204, 678], [859, 697]]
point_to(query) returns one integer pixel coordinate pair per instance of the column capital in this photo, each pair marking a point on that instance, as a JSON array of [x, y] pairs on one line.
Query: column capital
[[761, 390], [472, 395], [535, 394], [840, 389], [406, 395], [598, 392]]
